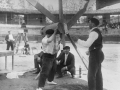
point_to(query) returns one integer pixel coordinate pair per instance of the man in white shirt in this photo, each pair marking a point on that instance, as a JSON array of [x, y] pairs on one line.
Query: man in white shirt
[[9, 40], [50, 47], [96, 56]]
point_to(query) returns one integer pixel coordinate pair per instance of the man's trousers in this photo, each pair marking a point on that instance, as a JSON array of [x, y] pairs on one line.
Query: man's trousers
[[48, 69], [95, 80]]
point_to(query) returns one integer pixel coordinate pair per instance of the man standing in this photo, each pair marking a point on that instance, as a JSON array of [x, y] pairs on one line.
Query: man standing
[[50, 47], [65, 62], [9, 40], [96, 56]]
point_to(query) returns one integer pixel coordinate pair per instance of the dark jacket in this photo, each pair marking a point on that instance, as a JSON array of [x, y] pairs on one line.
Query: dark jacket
[[7, 37], [70, 62]]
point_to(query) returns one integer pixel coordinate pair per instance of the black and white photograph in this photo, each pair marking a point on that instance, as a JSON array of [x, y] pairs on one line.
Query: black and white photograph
[[59, 44]]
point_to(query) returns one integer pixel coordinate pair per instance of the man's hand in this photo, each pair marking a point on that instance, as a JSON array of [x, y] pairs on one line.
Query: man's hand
[[66, 28], [38, 59], [63, 69], [57, 62], [13, 39]]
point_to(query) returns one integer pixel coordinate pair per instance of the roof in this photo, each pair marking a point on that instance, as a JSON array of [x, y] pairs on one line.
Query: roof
[[95, 12], [23, 11], [107, 11]]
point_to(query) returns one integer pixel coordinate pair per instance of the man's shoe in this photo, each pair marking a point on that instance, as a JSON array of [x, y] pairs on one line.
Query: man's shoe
[[51, 83], [73, 76], [39, 89]]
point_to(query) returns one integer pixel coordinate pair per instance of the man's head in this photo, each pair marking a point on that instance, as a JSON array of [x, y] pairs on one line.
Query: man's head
[[49, 32], [66, 49], [93, 22], [58, 35], [9, 32], [26, 42]]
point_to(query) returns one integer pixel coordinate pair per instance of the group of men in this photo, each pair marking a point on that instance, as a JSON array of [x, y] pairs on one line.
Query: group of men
[[47, 62], [51, 64], [11, 43]]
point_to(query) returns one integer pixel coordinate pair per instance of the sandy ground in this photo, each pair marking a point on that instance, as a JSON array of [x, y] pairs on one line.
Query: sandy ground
[[27, 82], [24, 64]]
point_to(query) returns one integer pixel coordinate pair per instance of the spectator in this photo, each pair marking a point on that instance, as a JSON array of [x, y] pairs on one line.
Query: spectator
[[10, 41], [26, 48], [65, 62]]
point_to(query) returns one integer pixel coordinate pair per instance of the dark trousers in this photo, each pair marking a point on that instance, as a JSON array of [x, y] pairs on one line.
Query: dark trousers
[[48, 69], [71, 70], [95, 80], [10, 44]]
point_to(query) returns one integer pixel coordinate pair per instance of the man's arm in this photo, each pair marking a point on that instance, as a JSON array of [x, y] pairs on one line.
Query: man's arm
[[92, 37], [72, 62], [59, 59], [51, 38], [6, 38]]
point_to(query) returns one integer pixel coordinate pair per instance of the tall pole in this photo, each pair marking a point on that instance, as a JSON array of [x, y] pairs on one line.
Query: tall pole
[[61, 21]]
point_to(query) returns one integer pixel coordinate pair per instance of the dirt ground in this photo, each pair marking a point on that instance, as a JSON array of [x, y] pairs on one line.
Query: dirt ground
[[28, 82]]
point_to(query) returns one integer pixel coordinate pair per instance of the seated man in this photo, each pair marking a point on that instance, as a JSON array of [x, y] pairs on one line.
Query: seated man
[[26, 48], [38, 62], [65, 62]]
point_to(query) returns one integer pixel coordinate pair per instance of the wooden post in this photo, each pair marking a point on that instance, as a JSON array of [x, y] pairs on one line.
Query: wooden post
[[61, 20], [6, 18], [12, 62], [5, 62], [118, 18]]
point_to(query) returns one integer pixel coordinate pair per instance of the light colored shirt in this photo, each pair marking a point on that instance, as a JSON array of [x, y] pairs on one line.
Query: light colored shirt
[[92, 37], [66, 55], [11, 37], [51, 48]]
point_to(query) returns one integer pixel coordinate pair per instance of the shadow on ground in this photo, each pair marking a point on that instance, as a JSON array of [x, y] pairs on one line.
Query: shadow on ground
[[27, 82]]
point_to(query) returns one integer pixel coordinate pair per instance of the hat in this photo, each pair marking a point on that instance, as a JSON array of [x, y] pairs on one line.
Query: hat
[[95, 21], [66, 47], [50, 31]]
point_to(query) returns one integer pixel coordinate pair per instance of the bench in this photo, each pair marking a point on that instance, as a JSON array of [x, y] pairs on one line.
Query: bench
[[7, 53]]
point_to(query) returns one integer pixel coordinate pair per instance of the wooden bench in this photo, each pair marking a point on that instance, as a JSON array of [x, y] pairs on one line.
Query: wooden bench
[[7, 53]]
